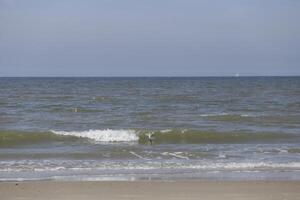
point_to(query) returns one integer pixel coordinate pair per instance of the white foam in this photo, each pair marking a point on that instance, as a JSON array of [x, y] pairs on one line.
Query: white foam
[[214, 114], [249, 166], [178, 156], [166, 130], [107, 135], [246, 115], [222, 155], [226, 114], [175, 154], [147, 164], [137, 155]]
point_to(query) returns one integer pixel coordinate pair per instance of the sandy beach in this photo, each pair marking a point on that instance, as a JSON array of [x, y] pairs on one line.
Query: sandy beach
[[38, 190]]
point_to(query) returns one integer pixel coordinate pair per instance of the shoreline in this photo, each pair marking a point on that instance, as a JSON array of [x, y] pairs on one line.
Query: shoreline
[[146, 190]]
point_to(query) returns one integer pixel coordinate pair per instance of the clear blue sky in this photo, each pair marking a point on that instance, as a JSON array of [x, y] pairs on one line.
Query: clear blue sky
[[149, 37]]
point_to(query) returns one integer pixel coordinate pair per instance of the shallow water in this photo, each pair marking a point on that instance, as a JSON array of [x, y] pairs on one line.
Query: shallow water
[[98, 128]]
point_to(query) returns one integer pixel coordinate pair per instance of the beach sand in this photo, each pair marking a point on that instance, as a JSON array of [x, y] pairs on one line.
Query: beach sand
[[154, 190]]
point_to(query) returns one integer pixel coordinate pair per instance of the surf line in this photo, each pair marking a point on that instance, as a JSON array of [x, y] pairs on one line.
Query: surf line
[[137, 155]]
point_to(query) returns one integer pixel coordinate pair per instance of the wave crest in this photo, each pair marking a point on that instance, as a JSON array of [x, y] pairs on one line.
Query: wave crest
[[107, 135]]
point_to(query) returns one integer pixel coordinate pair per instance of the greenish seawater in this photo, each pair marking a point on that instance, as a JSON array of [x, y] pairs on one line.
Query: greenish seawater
[[99, 128]]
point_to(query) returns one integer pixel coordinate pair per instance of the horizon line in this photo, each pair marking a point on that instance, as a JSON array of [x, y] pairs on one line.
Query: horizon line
[[163, 76]]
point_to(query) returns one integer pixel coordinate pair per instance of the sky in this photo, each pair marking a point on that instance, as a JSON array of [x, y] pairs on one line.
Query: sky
[[149, 37]]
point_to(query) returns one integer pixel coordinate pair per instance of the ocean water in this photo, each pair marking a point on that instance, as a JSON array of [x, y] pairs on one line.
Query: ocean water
[[242, 128]]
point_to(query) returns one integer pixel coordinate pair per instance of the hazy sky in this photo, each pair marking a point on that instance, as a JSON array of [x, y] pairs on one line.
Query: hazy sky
[[149, 37]]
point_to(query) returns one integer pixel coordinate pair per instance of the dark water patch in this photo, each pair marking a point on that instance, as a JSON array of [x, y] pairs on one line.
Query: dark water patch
[[210, 137], [54, 97], [106, 99], [294, 150], [3, 103], [85, 110], [20, 138], [294, 105]]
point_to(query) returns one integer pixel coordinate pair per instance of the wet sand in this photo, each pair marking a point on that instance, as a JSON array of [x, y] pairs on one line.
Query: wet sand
[[146, 190]]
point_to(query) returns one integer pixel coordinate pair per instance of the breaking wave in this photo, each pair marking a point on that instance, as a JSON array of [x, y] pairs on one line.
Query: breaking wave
[[168, 136], [107, 135]]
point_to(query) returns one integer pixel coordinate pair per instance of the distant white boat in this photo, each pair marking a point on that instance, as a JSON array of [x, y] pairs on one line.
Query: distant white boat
[[237, 75]]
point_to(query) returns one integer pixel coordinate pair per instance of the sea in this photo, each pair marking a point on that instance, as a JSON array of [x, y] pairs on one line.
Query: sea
[[150, 128]]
